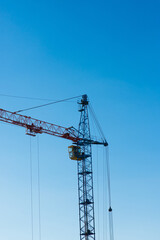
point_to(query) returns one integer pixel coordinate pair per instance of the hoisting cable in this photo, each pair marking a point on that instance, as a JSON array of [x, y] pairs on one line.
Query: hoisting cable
[[97, 169], [46, 104], [105, 223], [31, 189], [109, 197], [108, 178], [39, 188]]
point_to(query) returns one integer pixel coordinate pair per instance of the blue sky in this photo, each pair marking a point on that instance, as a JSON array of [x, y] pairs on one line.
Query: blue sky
[[59, 49]]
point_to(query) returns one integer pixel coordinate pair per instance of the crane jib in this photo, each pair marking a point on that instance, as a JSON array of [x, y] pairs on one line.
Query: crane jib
[[34, 126]]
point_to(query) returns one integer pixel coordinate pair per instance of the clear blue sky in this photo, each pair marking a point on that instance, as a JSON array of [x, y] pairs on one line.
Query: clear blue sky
[[58, 49]]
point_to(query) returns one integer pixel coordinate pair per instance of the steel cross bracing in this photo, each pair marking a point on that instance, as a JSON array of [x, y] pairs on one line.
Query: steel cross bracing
[[85, 177], [34, 126]]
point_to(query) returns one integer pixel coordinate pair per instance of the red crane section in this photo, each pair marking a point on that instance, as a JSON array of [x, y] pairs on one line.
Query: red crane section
[[34, 126]]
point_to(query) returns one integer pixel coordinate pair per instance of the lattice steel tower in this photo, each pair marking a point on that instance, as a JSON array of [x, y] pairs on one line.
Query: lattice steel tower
[[85, 176]]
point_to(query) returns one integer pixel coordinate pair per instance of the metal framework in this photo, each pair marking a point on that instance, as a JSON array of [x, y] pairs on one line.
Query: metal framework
[[85, 177], [34, 126], [82, 139]]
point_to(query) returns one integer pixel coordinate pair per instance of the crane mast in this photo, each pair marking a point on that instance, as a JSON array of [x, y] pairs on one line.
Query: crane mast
[[85, 177]]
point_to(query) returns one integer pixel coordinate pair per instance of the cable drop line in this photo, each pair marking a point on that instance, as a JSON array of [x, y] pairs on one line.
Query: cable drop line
[[31, 189], [39, 187], [97, 163], [108, 177], [109, 196], [105, 223]]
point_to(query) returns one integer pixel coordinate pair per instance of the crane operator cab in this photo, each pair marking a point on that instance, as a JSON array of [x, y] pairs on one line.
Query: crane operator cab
[[75, 153]]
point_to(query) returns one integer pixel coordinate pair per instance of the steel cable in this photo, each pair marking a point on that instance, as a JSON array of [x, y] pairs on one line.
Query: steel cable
[[39, 187], [46, 104], [105, 223], [98, 208], [109, 197], [24, 97], [31, 189], [96, 122]]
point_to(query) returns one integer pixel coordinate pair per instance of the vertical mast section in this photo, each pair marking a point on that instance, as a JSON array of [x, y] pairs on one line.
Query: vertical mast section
[[85, 176]]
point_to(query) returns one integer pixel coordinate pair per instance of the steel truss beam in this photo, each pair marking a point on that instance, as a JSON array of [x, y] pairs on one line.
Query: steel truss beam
[[85, 177]]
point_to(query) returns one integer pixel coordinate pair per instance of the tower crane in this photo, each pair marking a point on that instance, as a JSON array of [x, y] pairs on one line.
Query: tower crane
[[80, 151]]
